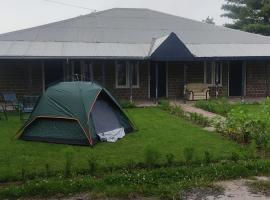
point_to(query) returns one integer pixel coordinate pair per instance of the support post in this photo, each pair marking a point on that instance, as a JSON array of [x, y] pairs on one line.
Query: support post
[[43, 75], [156, 74], [103, 74], [130, 69], [185, 82]]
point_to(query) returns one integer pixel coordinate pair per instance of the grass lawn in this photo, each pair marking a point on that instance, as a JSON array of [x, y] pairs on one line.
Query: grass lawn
[[156, 129]]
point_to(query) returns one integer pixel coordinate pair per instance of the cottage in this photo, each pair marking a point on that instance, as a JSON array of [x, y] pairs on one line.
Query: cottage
[[136, 53]]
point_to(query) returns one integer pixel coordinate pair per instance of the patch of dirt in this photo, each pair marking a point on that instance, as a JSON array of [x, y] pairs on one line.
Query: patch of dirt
[[203, 193], [233, 190]]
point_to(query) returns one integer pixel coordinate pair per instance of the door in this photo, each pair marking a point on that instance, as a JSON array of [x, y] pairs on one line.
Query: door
[[236, 78], [158, 79]]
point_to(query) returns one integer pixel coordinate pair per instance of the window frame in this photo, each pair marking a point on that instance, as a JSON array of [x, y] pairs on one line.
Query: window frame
[[128, 78], [213, 73]]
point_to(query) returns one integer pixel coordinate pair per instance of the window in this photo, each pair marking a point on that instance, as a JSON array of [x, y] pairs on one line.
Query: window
[[127, 74], [213, 73]]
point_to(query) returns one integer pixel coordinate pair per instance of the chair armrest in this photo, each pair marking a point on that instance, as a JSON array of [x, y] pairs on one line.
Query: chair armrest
[[206, 90]]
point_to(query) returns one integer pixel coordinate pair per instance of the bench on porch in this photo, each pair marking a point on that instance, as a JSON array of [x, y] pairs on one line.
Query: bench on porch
[[197, 91]]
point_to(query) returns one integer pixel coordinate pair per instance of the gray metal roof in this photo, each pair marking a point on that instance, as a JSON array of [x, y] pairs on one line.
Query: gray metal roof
[[124, 32], [32, 49]]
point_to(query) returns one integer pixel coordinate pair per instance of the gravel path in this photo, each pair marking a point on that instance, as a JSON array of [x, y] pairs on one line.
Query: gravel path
[[190, 108]]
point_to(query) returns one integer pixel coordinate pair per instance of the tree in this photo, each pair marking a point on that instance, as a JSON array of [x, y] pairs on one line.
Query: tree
[[248, 15], [209, 20]]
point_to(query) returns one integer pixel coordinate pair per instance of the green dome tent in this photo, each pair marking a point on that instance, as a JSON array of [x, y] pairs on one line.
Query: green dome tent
[[79, 113]]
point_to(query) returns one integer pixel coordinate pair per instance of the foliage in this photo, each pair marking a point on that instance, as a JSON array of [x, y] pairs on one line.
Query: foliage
[[179, 112], [209, 20], [244, 126], [248, 15], [219, 106], [157, 182], [199, 119], [127, 104]]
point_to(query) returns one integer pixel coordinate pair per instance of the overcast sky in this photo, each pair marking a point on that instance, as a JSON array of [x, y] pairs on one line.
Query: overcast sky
[[19, 14]]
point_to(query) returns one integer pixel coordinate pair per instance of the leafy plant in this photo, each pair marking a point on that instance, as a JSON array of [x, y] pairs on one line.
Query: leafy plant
[[243, 126]]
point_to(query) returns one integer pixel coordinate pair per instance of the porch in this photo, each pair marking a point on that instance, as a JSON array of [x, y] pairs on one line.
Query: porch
[[140, 79]]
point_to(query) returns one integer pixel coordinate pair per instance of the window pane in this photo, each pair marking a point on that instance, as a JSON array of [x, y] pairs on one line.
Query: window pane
[[121, 74], [134, 73], [209, 72]]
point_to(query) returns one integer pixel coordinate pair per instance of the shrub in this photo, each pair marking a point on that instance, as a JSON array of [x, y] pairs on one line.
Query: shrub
[[152, 156], [243, 127], [188, 154]]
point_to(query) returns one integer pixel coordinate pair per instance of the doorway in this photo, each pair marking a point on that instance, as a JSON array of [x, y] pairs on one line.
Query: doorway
[[236, 78], [158, 79]]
